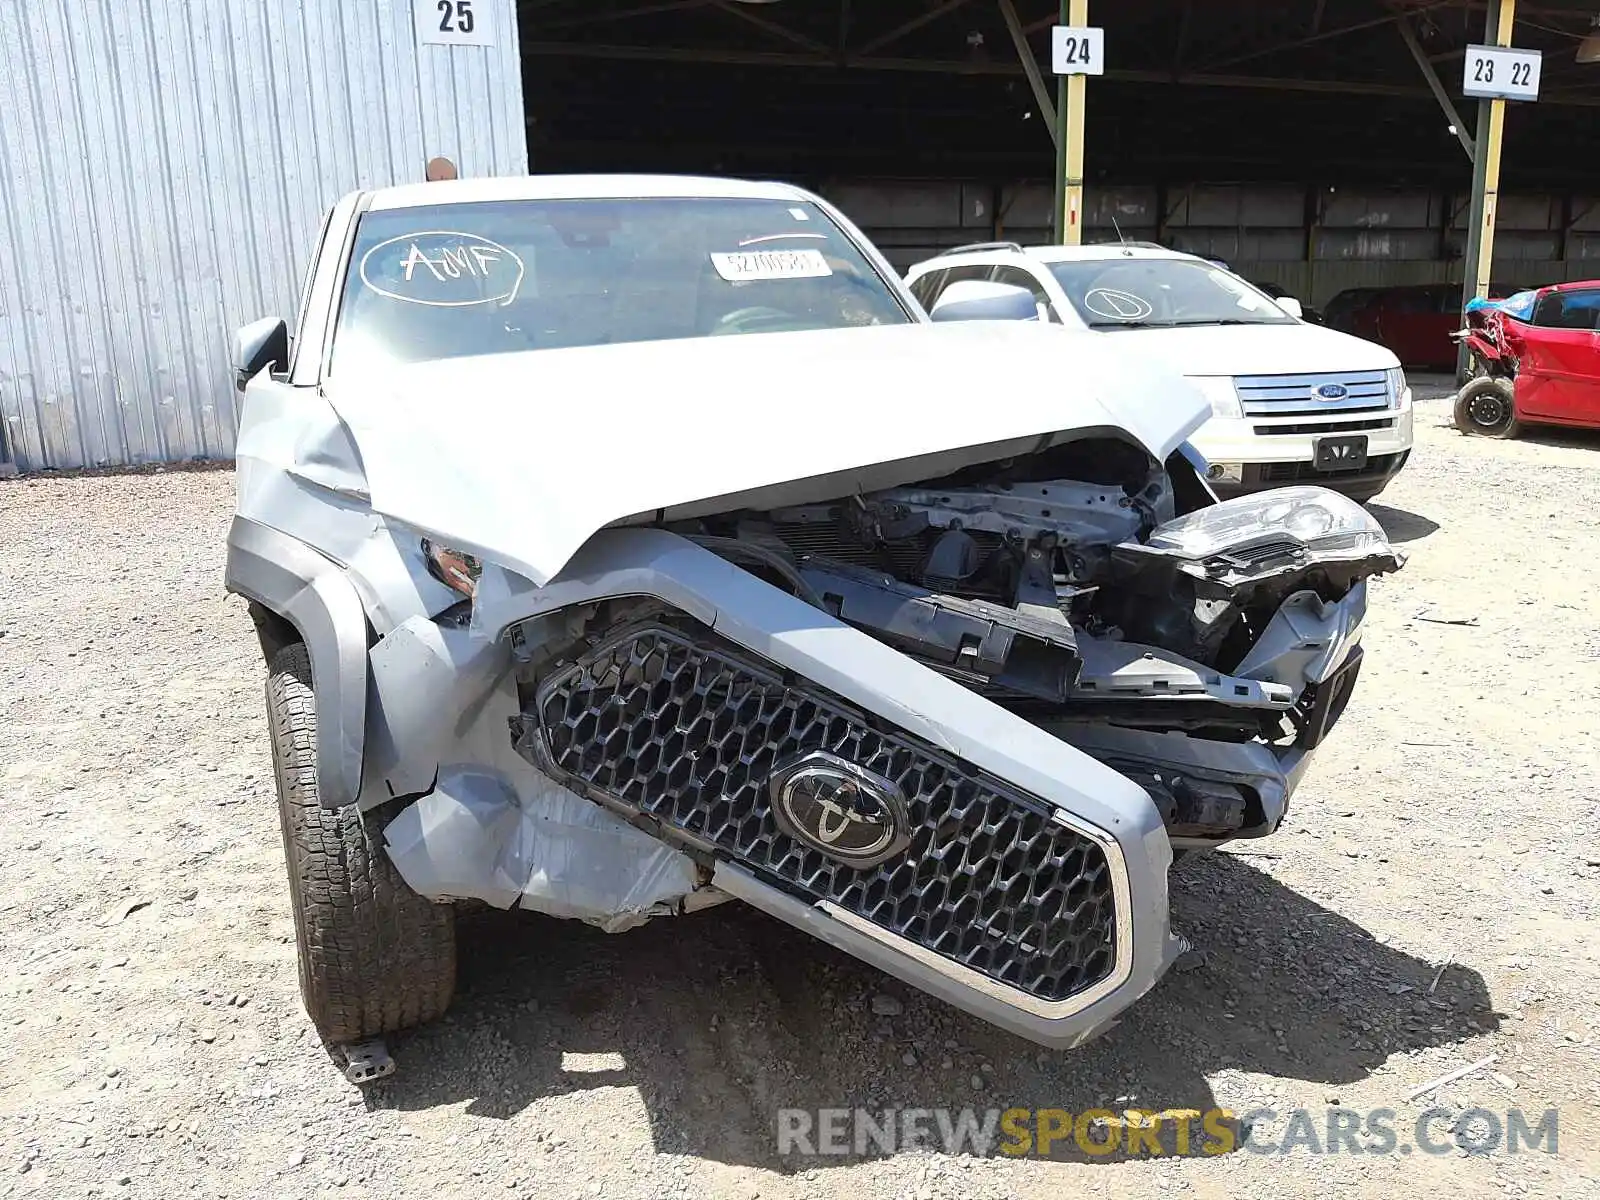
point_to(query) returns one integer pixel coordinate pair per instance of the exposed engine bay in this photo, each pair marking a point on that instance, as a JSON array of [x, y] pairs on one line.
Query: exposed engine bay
[[1106, 597]]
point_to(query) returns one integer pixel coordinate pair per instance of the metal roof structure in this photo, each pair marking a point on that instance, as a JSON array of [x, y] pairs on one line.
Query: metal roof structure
[[1288, 90]]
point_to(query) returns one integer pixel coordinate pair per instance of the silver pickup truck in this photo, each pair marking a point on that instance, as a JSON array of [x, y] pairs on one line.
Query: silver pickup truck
[[621, 546]]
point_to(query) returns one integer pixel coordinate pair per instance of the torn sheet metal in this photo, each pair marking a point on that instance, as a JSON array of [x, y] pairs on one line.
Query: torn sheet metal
[[551, 851], [433, 690], [1307, 638]]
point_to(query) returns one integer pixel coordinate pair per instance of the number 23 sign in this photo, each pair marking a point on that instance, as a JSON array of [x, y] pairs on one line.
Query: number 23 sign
[[1501, 72], [455, 22]]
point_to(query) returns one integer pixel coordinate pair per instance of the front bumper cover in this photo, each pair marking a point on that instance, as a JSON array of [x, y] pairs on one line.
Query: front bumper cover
[[1260, 439], [898, 696], [1269, 457]]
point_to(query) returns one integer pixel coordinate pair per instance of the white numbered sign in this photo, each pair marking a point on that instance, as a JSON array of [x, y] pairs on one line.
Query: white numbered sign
[[1078, 50], [455, 22], [1501, 72]]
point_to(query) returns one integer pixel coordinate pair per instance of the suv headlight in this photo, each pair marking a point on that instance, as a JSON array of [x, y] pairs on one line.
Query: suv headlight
[[1395, 379], [1219, 390]]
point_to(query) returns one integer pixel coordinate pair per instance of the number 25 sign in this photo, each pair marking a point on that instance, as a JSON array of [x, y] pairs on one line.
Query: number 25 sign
[[454, 22], [1501, 73]]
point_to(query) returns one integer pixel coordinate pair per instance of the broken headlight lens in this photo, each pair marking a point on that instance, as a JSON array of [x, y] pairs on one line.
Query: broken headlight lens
[[455, 569], [1318, 519]]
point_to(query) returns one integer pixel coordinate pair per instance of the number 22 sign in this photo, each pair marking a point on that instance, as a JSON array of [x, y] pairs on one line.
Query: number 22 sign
[[1501, 72], [455, 22]]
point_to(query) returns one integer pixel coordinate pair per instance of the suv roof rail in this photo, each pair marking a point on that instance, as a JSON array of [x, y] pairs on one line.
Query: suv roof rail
[[975, 247]]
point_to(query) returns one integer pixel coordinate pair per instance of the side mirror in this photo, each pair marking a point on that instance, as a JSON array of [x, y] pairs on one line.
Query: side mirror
[[1293, 307], [257, 346], [978, 300]]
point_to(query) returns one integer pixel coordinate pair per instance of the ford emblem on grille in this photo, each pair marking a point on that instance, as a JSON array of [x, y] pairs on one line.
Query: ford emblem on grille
[[833, 805], [1333, 391]]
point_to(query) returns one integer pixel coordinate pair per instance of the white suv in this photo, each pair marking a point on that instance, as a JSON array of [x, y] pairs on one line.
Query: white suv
[[1291, 402]]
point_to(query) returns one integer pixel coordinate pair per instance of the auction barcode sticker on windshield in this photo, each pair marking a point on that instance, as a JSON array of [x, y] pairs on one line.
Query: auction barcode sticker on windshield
[[771, 264]]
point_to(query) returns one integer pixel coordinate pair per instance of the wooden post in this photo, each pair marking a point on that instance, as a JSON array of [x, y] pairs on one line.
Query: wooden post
[[1058, 211], [1069, 210]]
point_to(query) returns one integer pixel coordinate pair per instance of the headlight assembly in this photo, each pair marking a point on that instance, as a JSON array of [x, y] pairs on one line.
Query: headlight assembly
[[1395, 381], [1324, 522], [1219, 390]]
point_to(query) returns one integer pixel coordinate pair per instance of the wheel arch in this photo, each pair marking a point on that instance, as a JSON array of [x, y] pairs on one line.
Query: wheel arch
[[273, 630], [296, 594]]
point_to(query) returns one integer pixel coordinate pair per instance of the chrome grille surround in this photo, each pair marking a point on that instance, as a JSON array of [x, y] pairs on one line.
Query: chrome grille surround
[[1296, 395]]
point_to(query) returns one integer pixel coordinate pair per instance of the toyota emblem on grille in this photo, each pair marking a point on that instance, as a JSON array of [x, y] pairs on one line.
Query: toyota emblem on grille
[[1333, 391], [846, 812]]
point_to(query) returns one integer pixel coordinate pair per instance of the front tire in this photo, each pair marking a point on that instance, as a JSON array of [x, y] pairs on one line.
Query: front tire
[[1486, 407], [375, 957]]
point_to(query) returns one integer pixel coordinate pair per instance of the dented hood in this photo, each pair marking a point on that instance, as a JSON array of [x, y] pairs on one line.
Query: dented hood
[[521, 458]]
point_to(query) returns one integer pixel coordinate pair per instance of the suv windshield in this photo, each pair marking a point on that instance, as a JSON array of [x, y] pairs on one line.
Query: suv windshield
[[443, 281], [1142, 293]]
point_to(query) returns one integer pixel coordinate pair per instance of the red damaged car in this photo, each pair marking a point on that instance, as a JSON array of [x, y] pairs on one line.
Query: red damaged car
[[1535, 358]]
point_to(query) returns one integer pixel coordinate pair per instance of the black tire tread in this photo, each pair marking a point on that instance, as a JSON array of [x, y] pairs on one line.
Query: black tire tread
[[375, 957]]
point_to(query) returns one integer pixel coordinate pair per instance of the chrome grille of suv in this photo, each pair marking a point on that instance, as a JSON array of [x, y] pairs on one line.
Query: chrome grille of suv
[[686, 731], [1297, 395]]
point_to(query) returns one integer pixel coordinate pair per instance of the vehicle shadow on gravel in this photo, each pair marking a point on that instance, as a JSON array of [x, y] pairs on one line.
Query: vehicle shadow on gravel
[[1560, 436], [722, 1019], [1400, 525]]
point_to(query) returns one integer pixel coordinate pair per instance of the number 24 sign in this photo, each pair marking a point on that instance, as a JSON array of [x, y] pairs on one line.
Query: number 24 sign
[[1078, 50], [1501, 72], [454, 22]]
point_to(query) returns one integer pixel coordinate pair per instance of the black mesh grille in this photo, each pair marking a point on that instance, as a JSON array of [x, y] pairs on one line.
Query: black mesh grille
[[1315, 427], [1378, 465], [690, 733]]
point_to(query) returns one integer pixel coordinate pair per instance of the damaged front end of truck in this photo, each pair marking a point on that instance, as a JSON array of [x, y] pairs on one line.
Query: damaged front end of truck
[[950, 708]]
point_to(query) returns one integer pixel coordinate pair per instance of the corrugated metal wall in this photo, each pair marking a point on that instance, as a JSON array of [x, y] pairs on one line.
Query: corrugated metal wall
[[1360, 239], [164, 168]]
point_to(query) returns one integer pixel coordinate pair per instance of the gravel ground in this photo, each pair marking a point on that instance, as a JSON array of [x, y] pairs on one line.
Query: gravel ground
[[1431, 902]]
